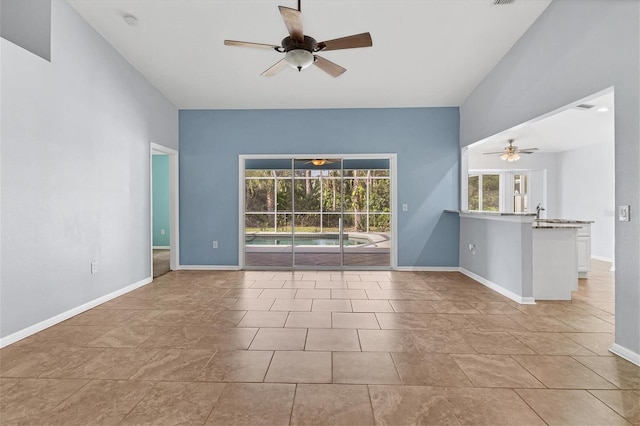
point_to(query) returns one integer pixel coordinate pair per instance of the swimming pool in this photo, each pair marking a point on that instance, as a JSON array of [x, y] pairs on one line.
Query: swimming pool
[[304, 240]]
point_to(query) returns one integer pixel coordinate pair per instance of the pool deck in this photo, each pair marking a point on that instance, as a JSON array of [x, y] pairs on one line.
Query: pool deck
[[316, 259], [375, 254]]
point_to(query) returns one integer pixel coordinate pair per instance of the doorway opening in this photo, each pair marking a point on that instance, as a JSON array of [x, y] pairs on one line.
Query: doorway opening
[[320, 212], [163, 173], [570, 166]]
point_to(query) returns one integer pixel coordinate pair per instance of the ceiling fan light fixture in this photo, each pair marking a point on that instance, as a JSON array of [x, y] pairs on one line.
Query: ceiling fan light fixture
[[299, 58], [318, 162], [510, 156]]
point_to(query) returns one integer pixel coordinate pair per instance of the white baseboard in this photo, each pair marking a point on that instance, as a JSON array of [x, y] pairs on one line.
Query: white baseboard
[[427, 269], [33, 329], [625, 353], [602, 258], [499, 289], [161, 247], [208, 268]]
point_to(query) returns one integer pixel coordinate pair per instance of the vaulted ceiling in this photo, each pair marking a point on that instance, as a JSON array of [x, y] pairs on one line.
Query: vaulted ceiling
[[425, 52], [583, 123]]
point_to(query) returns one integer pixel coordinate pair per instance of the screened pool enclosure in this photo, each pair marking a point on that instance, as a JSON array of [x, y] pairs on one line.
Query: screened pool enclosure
[[317, 212]]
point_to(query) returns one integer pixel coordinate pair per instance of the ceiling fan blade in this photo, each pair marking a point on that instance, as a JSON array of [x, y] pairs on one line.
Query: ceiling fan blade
[[493, 153], [329, 67], [275, 69], [293, 21], [349, 42], [525, 152], [249, 44], [528, 149]]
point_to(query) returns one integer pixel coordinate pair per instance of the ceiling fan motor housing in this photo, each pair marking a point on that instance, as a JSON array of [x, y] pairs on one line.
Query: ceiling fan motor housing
[[309, 44]]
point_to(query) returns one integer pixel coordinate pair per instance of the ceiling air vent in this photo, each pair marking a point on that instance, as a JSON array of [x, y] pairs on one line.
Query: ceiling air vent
[[584, 106], [502, 1]]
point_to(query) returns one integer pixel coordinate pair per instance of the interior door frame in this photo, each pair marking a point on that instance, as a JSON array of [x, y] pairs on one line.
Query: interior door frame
[[174, 206], [393, 160]]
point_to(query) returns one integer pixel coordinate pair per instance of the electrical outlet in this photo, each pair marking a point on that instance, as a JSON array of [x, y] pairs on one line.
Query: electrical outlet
[[215, 244], [94, 267], [623, 214], [162, 232]]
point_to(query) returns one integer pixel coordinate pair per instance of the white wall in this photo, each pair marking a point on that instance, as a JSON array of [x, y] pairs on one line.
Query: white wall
[[587, 186], [75, 173]]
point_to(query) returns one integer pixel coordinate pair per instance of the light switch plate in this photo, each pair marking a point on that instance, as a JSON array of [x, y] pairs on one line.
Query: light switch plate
[[405, 207], [623, 213]]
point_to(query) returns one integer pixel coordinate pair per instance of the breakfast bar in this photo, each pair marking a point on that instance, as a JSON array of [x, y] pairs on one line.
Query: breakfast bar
[[520, 256]]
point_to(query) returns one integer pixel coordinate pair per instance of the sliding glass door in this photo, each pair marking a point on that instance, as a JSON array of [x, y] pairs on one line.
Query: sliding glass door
[[318, 235], [367, 212], [310, 213], [268, 215]]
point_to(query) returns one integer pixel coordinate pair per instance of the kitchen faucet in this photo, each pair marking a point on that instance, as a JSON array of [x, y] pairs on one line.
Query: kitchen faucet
[[539, 209]]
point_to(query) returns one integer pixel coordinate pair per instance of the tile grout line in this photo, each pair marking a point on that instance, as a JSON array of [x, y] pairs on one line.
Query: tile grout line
[[293, 402], [514, 390], [590, 392], [373, 413], [216, 402], [573, 357]]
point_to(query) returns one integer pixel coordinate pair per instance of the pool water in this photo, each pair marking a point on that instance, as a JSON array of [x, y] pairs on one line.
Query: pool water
[[303, 240]]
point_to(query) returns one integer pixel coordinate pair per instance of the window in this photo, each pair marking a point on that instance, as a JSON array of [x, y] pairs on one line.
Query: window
[[484, 192], [505, 191], [474, 192], [520, 193]]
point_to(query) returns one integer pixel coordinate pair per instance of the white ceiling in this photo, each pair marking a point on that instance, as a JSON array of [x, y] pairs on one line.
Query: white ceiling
[[425, 52], [569, 129]]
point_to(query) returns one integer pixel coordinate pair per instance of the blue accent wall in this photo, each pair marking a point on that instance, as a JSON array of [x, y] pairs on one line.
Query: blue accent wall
[[426, 141], [161, 206]]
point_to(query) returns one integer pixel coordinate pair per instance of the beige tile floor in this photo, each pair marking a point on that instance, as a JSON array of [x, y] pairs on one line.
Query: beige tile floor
[[316, 347]]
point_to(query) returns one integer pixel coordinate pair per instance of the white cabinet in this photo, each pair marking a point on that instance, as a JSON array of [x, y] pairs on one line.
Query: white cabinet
[[584, 250], [555, 272]]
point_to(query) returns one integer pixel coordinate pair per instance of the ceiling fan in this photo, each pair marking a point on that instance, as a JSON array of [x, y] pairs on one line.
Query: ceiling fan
[[320, 161], [511, 152], [300, 49]]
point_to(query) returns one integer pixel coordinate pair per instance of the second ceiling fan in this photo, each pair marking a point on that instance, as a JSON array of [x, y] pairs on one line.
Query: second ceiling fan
[[300, 50], [510, 153]]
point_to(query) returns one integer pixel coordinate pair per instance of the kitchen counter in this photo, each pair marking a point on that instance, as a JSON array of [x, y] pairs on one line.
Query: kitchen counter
[[544, 225], [563, 221], [505, 214], [524, 258], [583, 239]]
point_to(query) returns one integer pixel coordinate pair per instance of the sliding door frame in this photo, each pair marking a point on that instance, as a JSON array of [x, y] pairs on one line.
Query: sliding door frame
[[392, 174]]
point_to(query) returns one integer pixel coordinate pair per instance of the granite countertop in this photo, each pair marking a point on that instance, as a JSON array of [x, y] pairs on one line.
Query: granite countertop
[[496, 213], [537, 223], [558, 226], [564, 221]]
